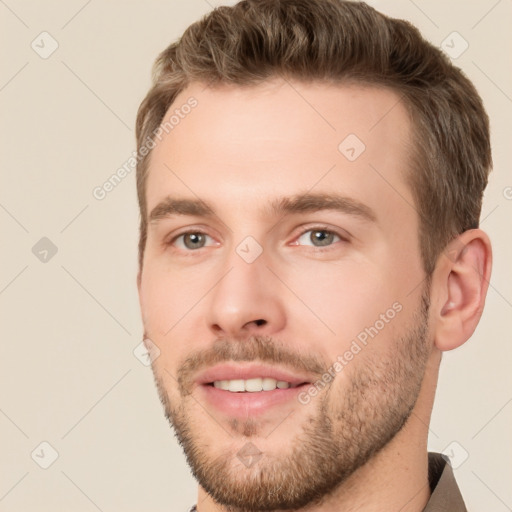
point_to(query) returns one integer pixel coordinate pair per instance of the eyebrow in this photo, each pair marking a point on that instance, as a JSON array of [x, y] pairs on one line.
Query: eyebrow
[[301, 203]]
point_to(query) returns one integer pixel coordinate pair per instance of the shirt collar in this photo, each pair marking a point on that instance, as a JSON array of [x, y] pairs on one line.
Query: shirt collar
[[445, 496]]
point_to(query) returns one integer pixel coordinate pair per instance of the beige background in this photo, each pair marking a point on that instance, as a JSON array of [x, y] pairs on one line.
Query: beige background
[[70, 325]]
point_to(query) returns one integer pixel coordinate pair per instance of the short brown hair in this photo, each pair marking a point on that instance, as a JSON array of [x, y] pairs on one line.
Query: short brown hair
[[336, 41]]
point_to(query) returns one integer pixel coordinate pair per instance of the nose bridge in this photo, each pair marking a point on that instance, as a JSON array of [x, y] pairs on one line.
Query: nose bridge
[[244, 280], [245, 300]]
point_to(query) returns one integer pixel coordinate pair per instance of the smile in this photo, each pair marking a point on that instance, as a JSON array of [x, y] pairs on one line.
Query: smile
[[253, 385]]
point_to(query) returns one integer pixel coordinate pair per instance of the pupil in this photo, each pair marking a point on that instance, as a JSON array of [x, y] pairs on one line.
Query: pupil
[[322, 237], [193, 240]]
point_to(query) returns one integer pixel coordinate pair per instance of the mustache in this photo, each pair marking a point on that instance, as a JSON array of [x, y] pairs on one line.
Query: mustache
[[264, 349]]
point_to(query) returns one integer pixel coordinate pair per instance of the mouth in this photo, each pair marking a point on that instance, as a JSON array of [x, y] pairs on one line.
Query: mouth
[[250, 389], [254, 385]]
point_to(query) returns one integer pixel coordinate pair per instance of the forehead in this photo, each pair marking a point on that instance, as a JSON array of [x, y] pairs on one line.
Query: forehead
[[281, 137]]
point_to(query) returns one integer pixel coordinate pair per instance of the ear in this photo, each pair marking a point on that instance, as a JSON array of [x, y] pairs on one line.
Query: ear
[[459, 287]]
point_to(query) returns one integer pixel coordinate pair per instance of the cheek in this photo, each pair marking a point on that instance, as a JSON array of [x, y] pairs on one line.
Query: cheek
[[347, 296], [365, 307], [165, 298], [164, 305]]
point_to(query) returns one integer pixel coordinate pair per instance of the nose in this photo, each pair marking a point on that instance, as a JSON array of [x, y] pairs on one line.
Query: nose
[[247, 301]]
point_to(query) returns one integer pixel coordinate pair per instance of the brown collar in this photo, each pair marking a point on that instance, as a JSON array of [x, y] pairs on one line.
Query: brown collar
[[445, 495]]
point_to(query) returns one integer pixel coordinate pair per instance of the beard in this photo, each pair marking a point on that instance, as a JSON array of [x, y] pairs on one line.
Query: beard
[[347, 426]]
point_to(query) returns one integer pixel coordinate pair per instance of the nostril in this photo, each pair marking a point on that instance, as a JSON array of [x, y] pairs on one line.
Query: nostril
[[260, 322]]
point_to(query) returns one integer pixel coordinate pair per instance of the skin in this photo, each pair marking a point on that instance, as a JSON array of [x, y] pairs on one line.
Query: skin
[[239, 149]]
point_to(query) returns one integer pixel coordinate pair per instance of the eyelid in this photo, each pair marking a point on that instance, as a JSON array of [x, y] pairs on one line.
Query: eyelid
[[195, 233], [171, 239], [341, 233]]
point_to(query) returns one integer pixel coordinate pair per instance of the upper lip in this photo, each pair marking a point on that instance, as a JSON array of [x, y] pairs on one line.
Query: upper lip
[[246, 371]]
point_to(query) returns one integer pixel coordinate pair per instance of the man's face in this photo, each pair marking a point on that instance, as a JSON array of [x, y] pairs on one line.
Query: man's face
[[283, 251]]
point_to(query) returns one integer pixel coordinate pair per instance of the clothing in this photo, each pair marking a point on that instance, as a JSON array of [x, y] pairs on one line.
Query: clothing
[[445, 495]]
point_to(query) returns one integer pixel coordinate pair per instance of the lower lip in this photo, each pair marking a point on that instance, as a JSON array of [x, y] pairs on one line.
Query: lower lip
[[245, 404]]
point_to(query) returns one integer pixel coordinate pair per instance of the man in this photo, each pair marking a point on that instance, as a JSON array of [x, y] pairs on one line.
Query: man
[[310, 182]]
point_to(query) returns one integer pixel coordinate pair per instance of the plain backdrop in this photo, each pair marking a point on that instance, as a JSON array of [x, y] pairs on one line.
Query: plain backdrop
[[69, 309]]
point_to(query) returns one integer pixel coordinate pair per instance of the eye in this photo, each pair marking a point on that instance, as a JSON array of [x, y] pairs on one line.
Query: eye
[[191, 240], [318, 237]]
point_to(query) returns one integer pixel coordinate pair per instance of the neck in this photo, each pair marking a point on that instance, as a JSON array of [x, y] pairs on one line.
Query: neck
[[396, 478]]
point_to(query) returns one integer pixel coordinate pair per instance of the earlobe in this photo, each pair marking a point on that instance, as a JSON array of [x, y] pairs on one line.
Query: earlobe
[[461, 280]]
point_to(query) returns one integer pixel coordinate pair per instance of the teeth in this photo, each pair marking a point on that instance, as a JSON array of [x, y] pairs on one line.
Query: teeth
[[236, 385], [269, 384], [251, 385]]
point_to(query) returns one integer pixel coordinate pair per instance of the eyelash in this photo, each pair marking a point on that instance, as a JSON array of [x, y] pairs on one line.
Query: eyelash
[[325, 229]]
